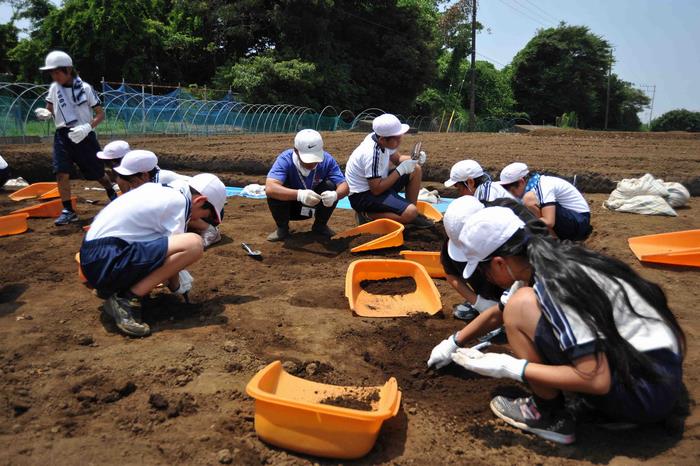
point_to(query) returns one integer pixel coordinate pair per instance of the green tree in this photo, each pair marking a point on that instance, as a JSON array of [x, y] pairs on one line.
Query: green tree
[[625, 103], [8, 41], [677, 120]]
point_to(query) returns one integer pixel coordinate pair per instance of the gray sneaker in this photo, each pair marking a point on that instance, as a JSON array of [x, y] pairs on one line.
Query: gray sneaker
[[556, 426], [362, 218], [278, 235], [127, 315], [66, 217]]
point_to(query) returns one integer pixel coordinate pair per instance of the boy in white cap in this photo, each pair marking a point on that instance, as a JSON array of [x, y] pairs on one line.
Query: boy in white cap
[[76, 110], [139, 240], [555, 201], [470, 180], [374, 187], [304, 182], [112, 155]]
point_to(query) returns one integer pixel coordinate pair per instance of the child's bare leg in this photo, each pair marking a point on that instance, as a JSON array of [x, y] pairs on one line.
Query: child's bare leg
[[407, 216], [183, 250], [413, 187], [63, 180]]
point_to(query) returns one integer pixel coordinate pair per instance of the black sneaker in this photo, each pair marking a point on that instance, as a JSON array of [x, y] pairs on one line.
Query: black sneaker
[[111, 195], [66, 217], [465, 312], [421, 222], [127, 315], [278, 235], [362, 218], [322, 230], [556, 426]]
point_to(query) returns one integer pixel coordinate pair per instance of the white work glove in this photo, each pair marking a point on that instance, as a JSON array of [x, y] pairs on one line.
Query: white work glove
[[308, 197], [481, 304], [441, 355], [329, 198], [43, 114], [496, 365], [185, 282], [510, 292], [211, 236], [422, 157], [406, 167], [80, 132]]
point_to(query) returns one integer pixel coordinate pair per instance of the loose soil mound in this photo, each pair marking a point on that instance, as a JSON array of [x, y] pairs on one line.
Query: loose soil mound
[[389, 286]]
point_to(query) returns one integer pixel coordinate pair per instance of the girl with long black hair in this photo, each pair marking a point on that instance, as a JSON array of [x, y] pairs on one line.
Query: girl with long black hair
[[583, 323]]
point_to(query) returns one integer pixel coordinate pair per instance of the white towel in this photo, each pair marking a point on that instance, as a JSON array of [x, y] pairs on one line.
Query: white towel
[[67, 104]]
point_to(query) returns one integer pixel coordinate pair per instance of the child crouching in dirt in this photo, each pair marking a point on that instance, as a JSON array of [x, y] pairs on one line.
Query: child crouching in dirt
[[581, 322], [139, 240]]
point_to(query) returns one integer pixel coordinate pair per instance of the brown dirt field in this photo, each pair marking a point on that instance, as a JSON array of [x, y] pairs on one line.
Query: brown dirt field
[[73, 391]]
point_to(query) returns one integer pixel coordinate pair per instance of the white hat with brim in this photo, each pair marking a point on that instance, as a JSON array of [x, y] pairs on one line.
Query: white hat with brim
[[137, 161], [388, 125], [512, 173], [309, 146], [210, 186], [464, 170], [57, 59], [485, 232], [454, 219], [114, 150]]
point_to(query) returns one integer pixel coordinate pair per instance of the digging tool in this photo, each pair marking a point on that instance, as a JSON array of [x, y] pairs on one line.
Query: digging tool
[[415, 154], [255, 254]]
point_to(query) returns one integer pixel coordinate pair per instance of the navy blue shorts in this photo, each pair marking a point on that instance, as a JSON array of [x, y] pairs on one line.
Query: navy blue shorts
[[84, 155], [574, 226], [647, 401], [112, 265], [388, 201]]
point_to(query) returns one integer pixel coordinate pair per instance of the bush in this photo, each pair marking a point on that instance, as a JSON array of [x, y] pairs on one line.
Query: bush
[[677, 120]]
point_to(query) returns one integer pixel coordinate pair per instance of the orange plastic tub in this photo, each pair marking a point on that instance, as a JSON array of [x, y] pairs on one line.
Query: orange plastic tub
[[429, 211], [53, 194], [13, 224], [45, 209], [676, 248], [428, 259], [426, 298], [33, 191], [288, 414], [392, 231]]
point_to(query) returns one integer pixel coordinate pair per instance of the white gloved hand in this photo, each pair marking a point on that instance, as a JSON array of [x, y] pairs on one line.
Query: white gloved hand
[[185, 282], [43, 114], [329, 198], [510, 292], [441, 355], [211, 236], [422, 157], [496, 365], [481, 304], [308, 197], [80, 132], [406, 167]]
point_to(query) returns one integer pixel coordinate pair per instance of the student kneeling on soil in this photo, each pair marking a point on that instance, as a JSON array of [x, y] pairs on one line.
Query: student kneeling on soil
[[139, 240], [112, 156], [139, 167], [374, 188], [556, 201], [581, 322], [304, 182], [71, 103], [470, 180]]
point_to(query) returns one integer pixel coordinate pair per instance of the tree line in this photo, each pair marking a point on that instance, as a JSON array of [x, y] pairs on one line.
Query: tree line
[[404, 56]]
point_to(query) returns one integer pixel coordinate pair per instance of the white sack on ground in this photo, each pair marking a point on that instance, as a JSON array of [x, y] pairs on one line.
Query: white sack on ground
[[678, 195], [428, 196], [646, 195]]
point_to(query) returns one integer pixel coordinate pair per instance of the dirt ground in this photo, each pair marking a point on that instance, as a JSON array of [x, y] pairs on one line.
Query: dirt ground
[[74, 391]]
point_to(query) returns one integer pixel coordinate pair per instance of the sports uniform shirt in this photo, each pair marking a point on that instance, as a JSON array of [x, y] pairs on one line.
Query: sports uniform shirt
[[284, 171], [168, 176], [369, 160], [83, 112], [553, 190], [489, 191], [146, 213]]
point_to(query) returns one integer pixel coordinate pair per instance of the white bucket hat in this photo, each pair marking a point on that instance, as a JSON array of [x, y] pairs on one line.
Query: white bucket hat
[[114, 150], [388, 125], [57, 59], [137, 161], [513, 172], [462, 171]]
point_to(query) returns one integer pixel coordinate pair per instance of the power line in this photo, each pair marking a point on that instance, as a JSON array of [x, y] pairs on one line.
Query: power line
[[531, 18], [544, 12], [491, 59], [532, 12]]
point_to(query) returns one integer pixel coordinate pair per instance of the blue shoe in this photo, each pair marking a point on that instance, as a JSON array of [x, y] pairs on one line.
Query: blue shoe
[[465, 312], [523, 413], [66, 217]]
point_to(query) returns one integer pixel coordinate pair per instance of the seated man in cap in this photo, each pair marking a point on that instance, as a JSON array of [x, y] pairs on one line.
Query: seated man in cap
[[374, 187], [304, 182], [553, 200], [139, 240], [470, 180]]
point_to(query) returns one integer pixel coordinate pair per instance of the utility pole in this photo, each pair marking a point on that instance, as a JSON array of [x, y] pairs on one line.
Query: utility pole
[[607, 97], [473, 71], [651, 108]]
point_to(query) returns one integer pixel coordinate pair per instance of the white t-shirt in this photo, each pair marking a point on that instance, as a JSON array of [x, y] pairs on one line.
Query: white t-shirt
[[83, 112], [168, 176], [367, 161], [146, 213], [490, 191], [551, 189]]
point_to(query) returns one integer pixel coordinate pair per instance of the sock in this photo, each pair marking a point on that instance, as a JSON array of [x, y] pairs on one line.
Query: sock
[[68, 205], [545, 405]]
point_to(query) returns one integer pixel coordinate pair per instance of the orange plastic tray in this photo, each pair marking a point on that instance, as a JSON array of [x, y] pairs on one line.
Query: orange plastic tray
[[45, 209], [288, 414], [676, 248], [426, 298], [428, 259], [429, 211], [33, 191], [13, 224], [392, 231], [53, 194]]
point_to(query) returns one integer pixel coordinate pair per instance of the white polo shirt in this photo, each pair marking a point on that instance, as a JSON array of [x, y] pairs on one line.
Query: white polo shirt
[[168, 176], [367, 161], [146, 213], [490, 191], [83, 112], [552, 189]]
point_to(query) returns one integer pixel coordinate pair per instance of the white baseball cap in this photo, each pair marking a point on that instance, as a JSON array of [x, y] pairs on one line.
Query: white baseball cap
[[513, 172], [463, 170], [114, 150], [388, 125], [137, 161], [454, 219], [56, 59], [210, 186], [484, 232], [309, 145]]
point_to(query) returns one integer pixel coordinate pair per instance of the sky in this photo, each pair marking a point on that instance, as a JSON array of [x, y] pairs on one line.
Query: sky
[[657, 42]]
